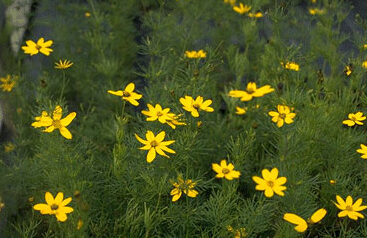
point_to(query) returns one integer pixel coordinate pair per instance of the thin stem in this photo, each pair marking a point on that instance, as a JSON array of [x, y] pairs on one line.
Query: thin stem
[[63, 85]]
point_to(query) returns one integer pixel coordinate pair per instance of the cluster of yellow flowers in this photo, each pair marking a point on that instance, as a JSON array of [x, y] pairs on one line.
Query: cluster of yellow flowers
[[8, 83], [243, 9]]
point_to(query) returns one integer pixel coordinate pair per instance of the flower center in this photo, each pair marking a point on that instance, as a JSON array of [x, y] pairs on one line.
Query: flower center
[[353, 118], [349, 208], [159, 114], [38, 47], [225, 171], [125, 94], [154, 143], [196, 106], [270, 183], [282, 115], [54, 207], [250, 90], [57, 124]]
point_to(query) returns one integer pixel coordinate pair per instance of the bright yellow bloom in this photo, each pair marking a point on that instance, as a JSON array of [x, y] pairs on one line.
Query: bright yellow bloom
[[365, 46], [63, 64], [348, 70], [162, 115], [87, 14], [9, 147], [155, 144], [56, 122], [33, 48], [2, 205], [316, 11], [241, 9], [128, 94], [55, 206], [348, 208], [313, 1], [225, 171], [255, 15], [241, 111], [251, 91], [270, 183], [232, 2], [183, 186], [238, 233], [364, 64], [363, 151], [301, 223], [193, 106], [8, 83], [291, 66], [332, 181], [356, 118], [283, 114], [195, 54]]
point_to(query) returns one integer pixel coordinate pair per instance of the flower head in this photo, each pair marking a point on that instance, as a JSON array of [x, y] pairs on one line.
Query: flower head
[[270, 183], [55, 122], [63, 64], [348, 208], [255, 15], [283, 114], [8, 83], [155, 144], [237, 233], [9, 147], [363, 151], [353, 119], [301, 224], [232, 2], [186, 186], [33, 48], [225, 171], [251, 92], [348, 70], [55, 206], [162, 115], [128, 94], [316, 11], [291, 66], [241, 110], [193, 106], [195, 54], [241, 9]]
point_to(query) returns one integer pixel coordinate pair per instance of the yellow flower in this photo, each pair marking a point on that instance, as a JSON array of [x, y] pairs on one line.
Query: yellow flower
[[9, 147], [301, 223], [364, 64], [56, 122], [348, 208], [195, 54], [316, 11], [175, 120], [183, 186], [251, 91], [365, 46], [238, 233], [363, 151], [193, 106], [283, 114], [226, 171], [232, 2], [241, 111], [80, 224], [348, 70], [356, 118], [270, 183], [255, 15], [63, 65], [55, 206], [313, 1], [332, 181], [291, 66], [87, 14], [128, 94], [33, 48], [241, 9], [162, 115], [155, 144], [8, 83], [2, 205]]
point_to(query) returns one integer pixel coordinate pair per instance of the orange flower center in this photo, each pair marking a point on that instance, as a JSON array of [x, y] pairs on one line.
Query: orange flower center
[[353, 118], [159, 114], [54, 207], [282, 115], [57, 124], [270, 183], [125, 94], [154, 143], [196, 106], [38, 47], [225, 171], [349, 208]]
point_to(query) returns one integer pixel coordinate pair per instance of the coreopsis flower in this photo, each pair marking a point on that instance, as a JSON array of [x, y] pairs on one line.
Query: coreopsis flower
[[363, 151], [63, 64], [55, 206], [175, 120], [8, 83], [364, 64], [283, 114], [79, 224], [128, 94], [238, 233], [291, 66], [195, 54], [9, 147], [186, 186], [255, 15], [225, 171], [348, 69], [55, 122], [353, 119], [232, 2], [41, 46], [251, 91], [316, 11], [332, 181], [193, 106], [87, 14], [365, 46], [241, 9], [348, 208], [155, 144], [301, 224], [241, 110], [270, 183], [162, 115]]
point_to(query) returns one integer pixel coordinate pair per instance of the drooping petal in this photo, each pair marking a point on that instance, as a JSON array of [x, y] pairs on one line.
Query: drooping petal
[[66, 133], [269, 192], [167, 149], [297, 220], [151, 155], [318, 215], [61, 216]]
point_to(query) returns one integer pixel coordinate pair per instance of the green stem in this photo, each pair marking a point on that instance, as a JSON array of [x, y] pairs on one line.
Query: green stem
[[63, 85]]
